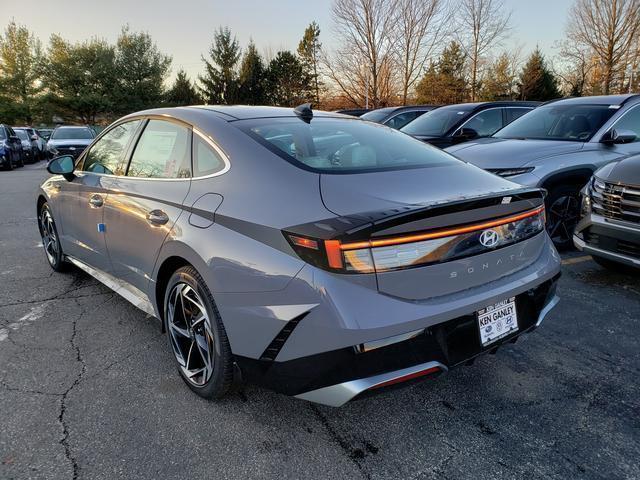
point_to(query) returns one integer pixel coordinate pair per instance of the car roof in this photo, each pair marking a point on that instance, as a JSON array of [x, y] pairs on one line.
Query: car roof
[[599, 99], [72, 126], [498, 103]]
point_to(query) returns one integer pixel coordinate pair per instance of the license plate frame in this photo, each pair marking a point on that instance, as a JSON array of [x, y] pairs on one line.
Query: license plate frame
[[497, 321]]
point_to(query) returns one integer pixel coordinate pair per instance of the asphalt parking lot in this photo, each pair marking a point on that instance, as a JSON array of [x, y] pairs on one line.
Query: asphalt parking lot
[[88, 390]]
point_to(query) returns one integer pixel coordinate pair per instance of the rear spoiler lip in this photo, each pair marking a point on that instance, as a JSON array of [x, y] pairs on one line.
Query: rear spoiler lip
[[363, 226]]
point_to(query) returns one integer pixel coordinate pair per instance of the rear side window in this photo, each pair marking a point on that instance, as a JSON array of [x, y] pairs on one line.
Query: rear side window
[[163, 151], [206, 160], [513, 113], [401, 119], [333, 145], [108, 154]]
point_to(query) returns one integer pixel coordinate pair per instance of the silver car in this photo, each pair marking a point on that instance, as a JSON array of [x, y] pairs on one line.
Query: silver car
[[316, 254]]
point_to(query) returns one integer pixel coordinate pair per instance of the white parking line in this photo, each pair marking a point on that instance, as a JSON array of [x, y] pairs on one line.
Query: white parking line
[[35, 313]]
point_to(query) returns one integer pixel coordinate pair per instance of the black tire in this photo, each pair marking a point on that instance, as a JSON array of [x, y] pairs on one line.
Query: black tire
[[563, 213], [220, 379], [615, 266], [21, 162], [53, 252]]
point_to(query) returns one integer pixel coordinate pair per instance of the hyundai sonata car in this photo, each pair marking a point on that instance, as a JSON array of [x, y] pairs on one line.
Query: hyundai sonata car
[[609, 229], [316, 254]]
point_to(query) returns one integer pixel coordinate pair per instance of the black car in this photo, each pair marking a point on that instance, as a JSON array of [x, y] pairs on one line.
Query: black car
[[10, 148], [354, 112], [609, 229], [459, 123], [30, 151], [69, 140], [397, 117]]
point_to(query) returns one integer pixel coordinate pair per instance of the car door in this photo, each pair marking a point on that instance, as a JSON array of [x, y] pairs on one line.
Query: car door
[[82, 199], [144, 204]]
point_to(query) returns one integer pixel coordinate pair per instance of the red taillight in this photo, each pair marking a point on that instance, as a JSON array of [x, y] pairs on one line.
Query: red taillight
[[304, 242], [334, 253]]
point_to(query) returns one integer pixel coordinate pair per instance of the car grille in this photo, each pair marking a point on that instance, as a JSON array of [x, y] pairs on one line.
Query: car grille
[[66, 150], [615, 245], [619, 202]]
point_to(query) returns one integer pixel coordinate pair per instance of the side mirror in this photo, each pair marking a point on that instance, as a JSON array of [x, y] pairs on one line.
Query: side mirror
[[62, 165], [34, 137], [464, 134], [617, 137]]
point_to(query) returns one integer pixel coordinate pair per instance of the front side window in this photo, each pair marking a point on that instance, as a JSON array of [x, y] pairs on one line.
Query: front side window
[[3, 136], [108, 153], [630, 121], [437, 122], [163, 151], [486, 123], [334, 145], [558, 121]]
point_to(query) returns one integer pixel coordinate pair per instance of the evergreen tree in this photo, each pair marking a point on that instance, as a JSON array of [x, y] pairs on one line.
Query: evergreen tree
[[141, 69], [445, 82], [219, 84], [537, 82], [309, 52], [183, 92], [287, 86], [499, 81], [252, 77], [20, 54]]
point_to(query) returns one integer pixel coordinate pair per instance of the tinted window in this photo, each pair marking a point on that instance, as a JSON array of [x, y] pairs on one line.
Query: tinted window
[[332, 145], [401, 119], [630, 121], [558, 121], [206, 160], [513, 113], [108, 153], [3, 135], [376, 116], [72, 133], [436, 122], [163, 151], [486, 123]]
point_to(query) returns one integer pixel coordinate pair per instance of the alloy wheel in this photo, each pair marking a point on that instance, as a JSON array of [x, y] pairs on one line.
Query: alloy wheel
[[564, 214], [190, 332], [49, 237]]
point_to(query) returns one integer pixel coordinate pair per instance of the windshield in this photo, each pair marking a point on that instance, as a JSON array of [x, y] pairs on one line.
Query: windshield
[[2, 135], [570, 122], [436, 122], [72, 133], [22, 135], [376, 116], [334, 145]]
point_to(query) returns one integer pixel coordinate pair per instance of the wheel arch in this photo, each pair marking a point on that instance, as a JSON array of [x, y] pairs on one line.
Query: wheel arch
[[578, 177]]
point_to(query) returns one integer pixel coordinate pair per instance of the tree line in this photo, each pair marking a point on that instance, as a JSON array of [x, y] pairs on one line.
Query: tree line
[[390, 52]]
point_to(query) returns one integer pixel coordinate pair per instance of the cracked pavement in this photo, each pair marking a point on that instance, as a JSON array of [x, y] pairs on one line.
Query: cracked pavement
[[88, 389]]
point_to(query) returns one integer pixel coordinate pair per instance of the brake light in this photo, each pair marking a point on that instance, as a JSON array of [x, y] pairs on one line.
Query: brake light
[[385, 254]]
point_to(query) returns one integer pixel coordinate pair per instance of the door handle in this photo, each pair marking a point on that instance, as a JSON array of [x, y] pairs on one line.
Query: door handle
[[96, 200], [157, 217]]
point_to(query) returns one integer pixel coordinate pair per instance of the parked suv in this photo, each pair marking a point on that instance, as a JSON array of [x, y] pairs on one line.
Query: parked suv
[[306, 282], [558, 146], [68, 140], [10, 148], [610, 226], [453, 124], [30, 150], [397, 117]]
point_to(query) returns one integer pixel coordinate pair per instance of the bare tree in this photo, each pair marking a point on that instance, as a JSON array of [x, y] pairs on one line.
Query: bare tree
[[483, 26], [419, 29], [364, 30], [608, 28]]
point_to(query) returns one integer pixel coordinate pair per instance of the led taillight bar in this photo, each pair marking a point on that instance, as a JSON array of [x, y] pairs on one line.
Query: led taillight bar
[[430, 236]]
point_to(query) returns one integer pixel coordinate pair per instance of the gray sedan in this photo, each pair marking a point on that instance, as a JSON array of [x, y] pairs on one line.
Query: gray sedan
[[319, 255]]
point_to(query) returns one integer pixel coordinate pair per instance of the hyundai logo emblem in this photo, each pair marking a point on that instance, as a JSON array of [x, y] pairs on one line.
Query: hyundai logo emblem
[[489, 238]]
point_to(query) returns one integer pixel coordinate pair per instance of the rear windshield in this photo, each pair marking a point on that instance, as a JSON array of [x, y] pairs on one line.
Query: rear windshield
[[570, 122], [436, 122], [72, 133], [332, 145], [22, 135]]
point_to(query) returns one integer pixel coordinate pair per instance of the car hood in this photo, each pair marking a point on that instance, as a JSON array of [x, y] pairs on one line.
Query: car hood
[[71, 141], [626, 171], [348, 194], [507, 153]]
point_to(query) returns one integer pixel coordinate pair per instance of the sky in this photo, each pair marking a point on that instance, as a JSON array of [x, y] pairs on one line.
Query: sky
[[184, 29]]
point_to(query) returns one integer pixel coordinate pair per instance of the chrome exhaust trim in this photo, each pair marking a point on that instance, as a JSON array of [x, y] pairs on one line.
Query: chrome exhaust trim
[[339, 394]]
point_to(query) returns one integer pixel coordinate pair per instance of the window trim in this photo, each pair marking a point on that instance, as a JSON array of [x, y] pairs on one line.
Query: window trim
[[134, 141]]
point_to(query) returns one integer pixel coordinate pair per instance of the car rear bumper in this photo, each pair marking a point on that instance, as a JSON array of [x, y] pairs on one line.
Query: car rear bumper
[[614, 240], [336, 377]]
